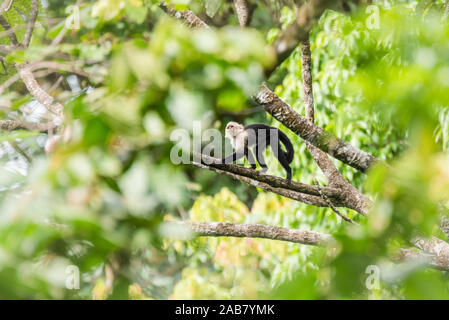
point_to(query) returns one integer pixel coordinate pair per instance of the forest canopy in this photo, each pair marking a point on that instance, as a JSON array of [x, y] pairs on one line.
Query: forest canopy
[[99, 98]]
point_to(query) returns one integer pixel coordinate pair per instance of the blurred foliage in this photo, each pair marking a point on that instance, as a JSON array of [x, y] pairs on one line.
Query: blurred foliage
[[99, 201]]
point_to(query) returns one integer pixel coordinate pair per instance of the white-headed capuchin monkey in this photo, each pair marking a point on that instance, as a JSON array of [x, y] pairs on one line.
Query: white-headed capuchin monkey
[[259, 136]]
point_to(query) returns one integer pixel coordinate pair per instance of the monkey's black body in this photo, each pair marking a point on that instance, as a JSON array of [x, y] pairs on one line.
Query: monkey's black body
[[260, 136]]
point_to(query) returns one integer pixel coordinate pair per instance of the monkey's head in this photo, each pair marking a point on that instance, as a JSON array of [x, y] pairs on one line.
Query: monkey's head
[[233, 129]]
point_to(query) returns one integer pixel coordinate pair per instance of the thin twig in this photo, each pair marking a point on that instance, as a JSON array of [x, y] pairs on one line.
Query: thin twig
[[31, 22], [12, 36], [325, 198]]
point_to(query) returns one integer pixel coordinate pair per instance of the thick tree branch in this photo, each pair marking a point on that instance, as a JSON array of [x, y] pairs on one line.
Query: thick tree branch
[[36, 91], [439, 258], [313, 134], [434, 261], [437, 247], [444, 225], [244, 10], [9, 125]]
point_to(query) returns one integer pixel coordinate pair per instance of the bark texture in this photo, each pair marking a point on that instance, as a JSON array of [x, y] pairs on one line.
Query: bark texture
[[31, 21], [9, 125]]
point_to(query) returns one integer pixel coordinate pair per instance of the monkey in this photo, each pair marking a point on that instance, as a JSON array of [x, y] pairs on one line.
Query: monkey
[[259, 136]]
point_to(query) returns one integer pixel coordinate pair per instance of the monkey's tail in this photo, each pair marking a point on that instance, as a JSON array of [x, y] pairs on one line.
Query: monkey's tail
[[288, 145]]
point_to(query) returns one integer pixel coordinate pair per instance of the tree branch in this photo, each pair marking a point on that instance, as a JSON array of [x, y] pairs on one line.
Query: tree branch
[[187, 15], [354, 200], [36, 91], [306, 17], [295, 195], [55, 66], [6, 4], [437, 247], [244, 10], [331, 205], [333, 176], [9, 125], [444, 225], [313, 134], [12, 36], [326, 165], [294, 190], [438, 259]]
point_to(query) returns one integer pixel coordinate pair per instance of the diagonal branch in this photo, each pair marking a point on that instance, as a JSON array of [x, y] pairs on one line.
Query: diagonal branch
[[12, 36], [326, 165], [331, 205], [7, 48], [294, 190], [9, 125], [313, 134]]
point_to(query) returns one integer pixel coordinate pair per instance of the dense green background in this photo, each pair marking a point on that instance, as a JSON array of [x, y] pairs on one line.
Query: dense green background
[[99, 201]]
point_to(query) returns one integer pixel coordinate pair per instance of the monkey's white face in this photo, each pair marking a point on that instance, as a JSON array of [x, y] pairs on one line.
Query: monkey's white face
[[233, 129]]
